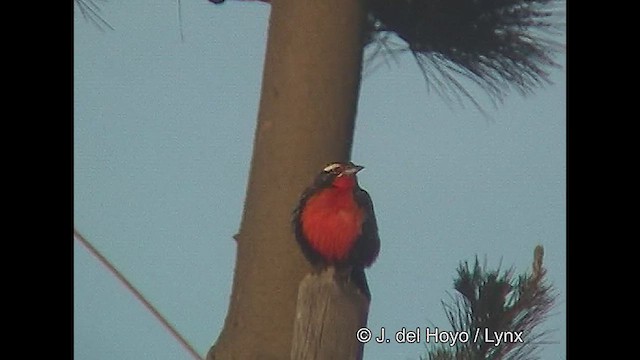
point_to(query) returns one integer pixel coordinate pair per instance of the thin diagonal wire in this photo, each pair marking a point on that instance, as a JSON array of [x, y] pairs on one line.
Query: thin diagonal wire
[[137, 294]]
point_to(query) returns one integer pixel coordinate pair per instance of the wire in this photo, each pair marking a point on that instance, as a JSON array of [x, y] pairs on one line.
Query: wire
[[137, 294]]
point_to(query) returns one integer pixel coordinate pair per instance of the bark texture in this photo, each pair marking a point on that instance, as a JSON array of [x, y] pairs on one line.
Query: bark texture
[[328, 316], [306, 119]]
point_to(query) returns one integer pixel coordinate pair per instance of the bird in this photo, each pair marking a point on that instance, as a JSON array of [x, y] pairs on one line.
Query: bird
[[335, 224]]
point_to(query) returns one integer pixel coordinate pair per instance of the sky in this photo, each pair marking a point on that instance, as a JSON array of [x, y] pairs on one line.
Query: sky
[[164, 115]]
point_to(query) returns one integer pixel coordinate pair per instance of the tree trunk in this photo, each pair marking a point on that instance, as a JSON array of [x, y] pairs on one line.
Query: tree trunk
[[329, 314], [306, 119]]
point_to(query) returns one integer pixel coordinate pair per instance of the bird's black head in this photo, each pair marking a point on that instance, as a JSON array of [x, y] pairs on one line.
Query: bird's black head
[[338, 174]]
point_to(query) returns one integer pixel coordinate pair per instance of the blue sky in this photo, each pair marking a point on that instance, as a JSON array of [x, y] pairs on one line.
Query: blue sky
[[163, 133]]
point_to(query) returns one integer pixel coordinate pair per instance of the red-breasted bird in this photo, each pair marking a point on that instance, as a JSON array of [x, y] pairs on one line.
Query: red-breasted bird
[[335, 224]]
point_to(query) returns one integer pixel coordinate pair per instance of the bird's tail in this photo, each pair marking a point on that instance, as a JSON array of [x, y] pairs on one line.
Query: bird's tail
[[359, 278]]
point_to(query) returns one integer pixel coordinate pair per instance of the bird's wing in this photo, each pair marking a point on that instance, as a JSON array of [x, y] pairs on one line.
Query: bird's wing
[[368, 244]]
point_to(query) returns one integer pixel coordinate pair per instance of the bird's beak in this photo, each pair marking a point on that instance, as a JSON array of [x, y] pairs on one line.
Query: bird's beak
[[353, 169]]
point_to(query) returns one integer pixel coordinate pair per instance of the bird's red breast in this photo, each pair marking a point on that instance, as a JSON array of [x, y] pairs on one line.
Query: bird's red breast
[[332, 220]]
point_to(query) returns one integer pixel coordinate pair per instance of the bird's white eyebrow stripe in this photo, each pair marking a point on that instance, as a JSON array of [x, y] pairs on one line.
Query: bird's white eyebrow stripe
[[331, 167]]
